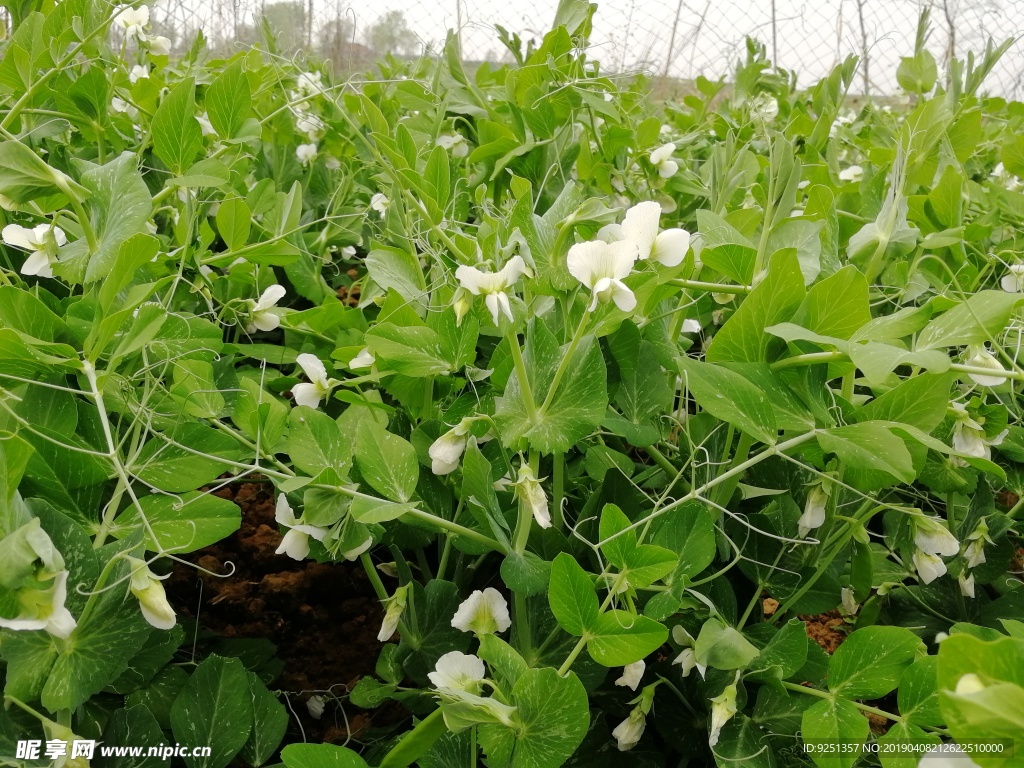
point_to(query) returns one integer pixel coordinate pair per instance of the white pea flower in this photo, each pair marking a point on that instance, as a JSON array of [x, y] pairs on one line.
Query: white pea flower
[[640, 226], [138, 72], [308, 84], [632, 674], [933, 538], [305, 153], [122, 107], [1005, 178], [309, 124], [159, 45], [315, 705], [50, 613], [852, 173], [627, 733], [331, 163], [661, 158], [296, 541], [483, 613], [928, 567], [456, 671], [814, 510], [205, 125], [149, 590], [261, 316], [454, 142], [134, 22], [970, 438], [379, 202], [982, 358], [1013, 282], [723, 707], [493, 286], [446, 452], [687, 658], [348, 251], [42, 240], [531, 493], [847, 601], [352, 554], [966, 582], [362, 360], [601, 267], [691, 325], [393, 614], [319, 385]]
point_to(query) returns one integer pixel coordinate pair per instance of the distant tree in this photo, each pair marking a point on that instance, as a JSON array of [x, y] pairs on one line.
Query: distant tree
[[287, 22], [391, 34], [335, 38]]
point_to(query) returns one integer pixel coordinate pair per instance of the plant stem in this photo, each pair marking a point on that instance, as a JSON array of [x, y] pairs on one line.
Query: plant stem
[[558, 489], [522, 375], [832, 697], [700, 285]]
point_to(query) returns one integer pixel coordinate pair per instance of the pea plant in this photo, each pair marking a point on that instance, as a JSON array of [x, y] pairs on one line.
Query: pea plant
[[684, 428]]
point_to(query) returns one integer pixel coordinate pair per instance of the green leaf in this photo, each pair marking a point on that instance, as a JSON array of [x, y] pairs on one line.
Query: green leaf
[[131, 726], [397, 269], [24, 176], [783, 656], [228, 100], [214, 709], [316, 443], [552, 714], [837, 306], [387, 462], [723, 647], [869, 663], [182, 523], [869, 445], [731, 259], [743, 337], [270, 721], [743, 742], [188, 462], [689, 532], [94, 654], [320, 756], [177, 138], [571, 596], [575, 408], [920, 401], [918, 695], [829, 722], [429, 632], [619, 637], [728, 396], [234, 222], [982, 316], [411, 351]]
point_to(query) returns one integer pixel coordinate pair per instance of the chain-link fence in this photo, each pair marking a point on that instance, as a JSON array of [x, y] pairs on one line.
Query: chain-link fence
[[678, 39]]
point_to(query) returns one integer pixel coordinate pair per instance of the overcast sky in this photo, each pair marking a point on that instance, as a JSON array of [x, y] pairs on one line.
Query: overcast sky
[[811, 35]]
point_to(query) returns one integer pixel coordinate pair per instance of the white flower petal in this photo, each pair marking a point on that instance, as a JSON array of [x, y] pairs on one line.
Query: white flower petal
[[632, 674], [295, 544], [483, 613], [307, 394], [269, 298], [640, 225], [670, 247], [458, 671], [38, 263], [313, 367]]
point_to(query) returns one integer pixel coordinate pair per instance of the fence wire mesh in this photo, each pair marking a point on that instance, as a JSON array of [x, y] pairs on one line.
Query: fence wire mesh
[[678, 39]]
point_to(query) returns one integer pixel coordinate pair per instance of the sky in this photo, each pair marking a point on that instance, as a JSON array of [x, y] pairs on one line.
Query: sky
[[809, 36]]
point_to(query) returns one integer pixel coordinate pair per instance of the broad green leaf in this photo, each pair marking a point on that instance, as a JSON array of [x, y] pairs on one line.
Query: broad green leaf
[[387, 462], [903, 744], [689, 532], [320, 756], [828, 723], [177, 138], [552, 714], [131, 726], [24, 176], [618, 638], [837, 306], [734, 260], [316, 443], [803, 237], [429, 632], [723, 647], [784, 654], [743, 742], [397, 269], [229, 100], [983, 315], [743, 337], [411, 351], [183, 523], [234, 222], [870, 662], [270, 721], [728, 396], [186, 458], [575, 408], [918, 695], [571, 595], [920, 401], [214, 709], [869, 445]]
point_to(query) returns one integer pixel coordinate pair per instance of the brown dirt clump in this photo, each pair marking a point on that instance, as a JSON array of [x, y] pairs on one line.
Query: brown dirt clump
[[826, 629], [323, 617]]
